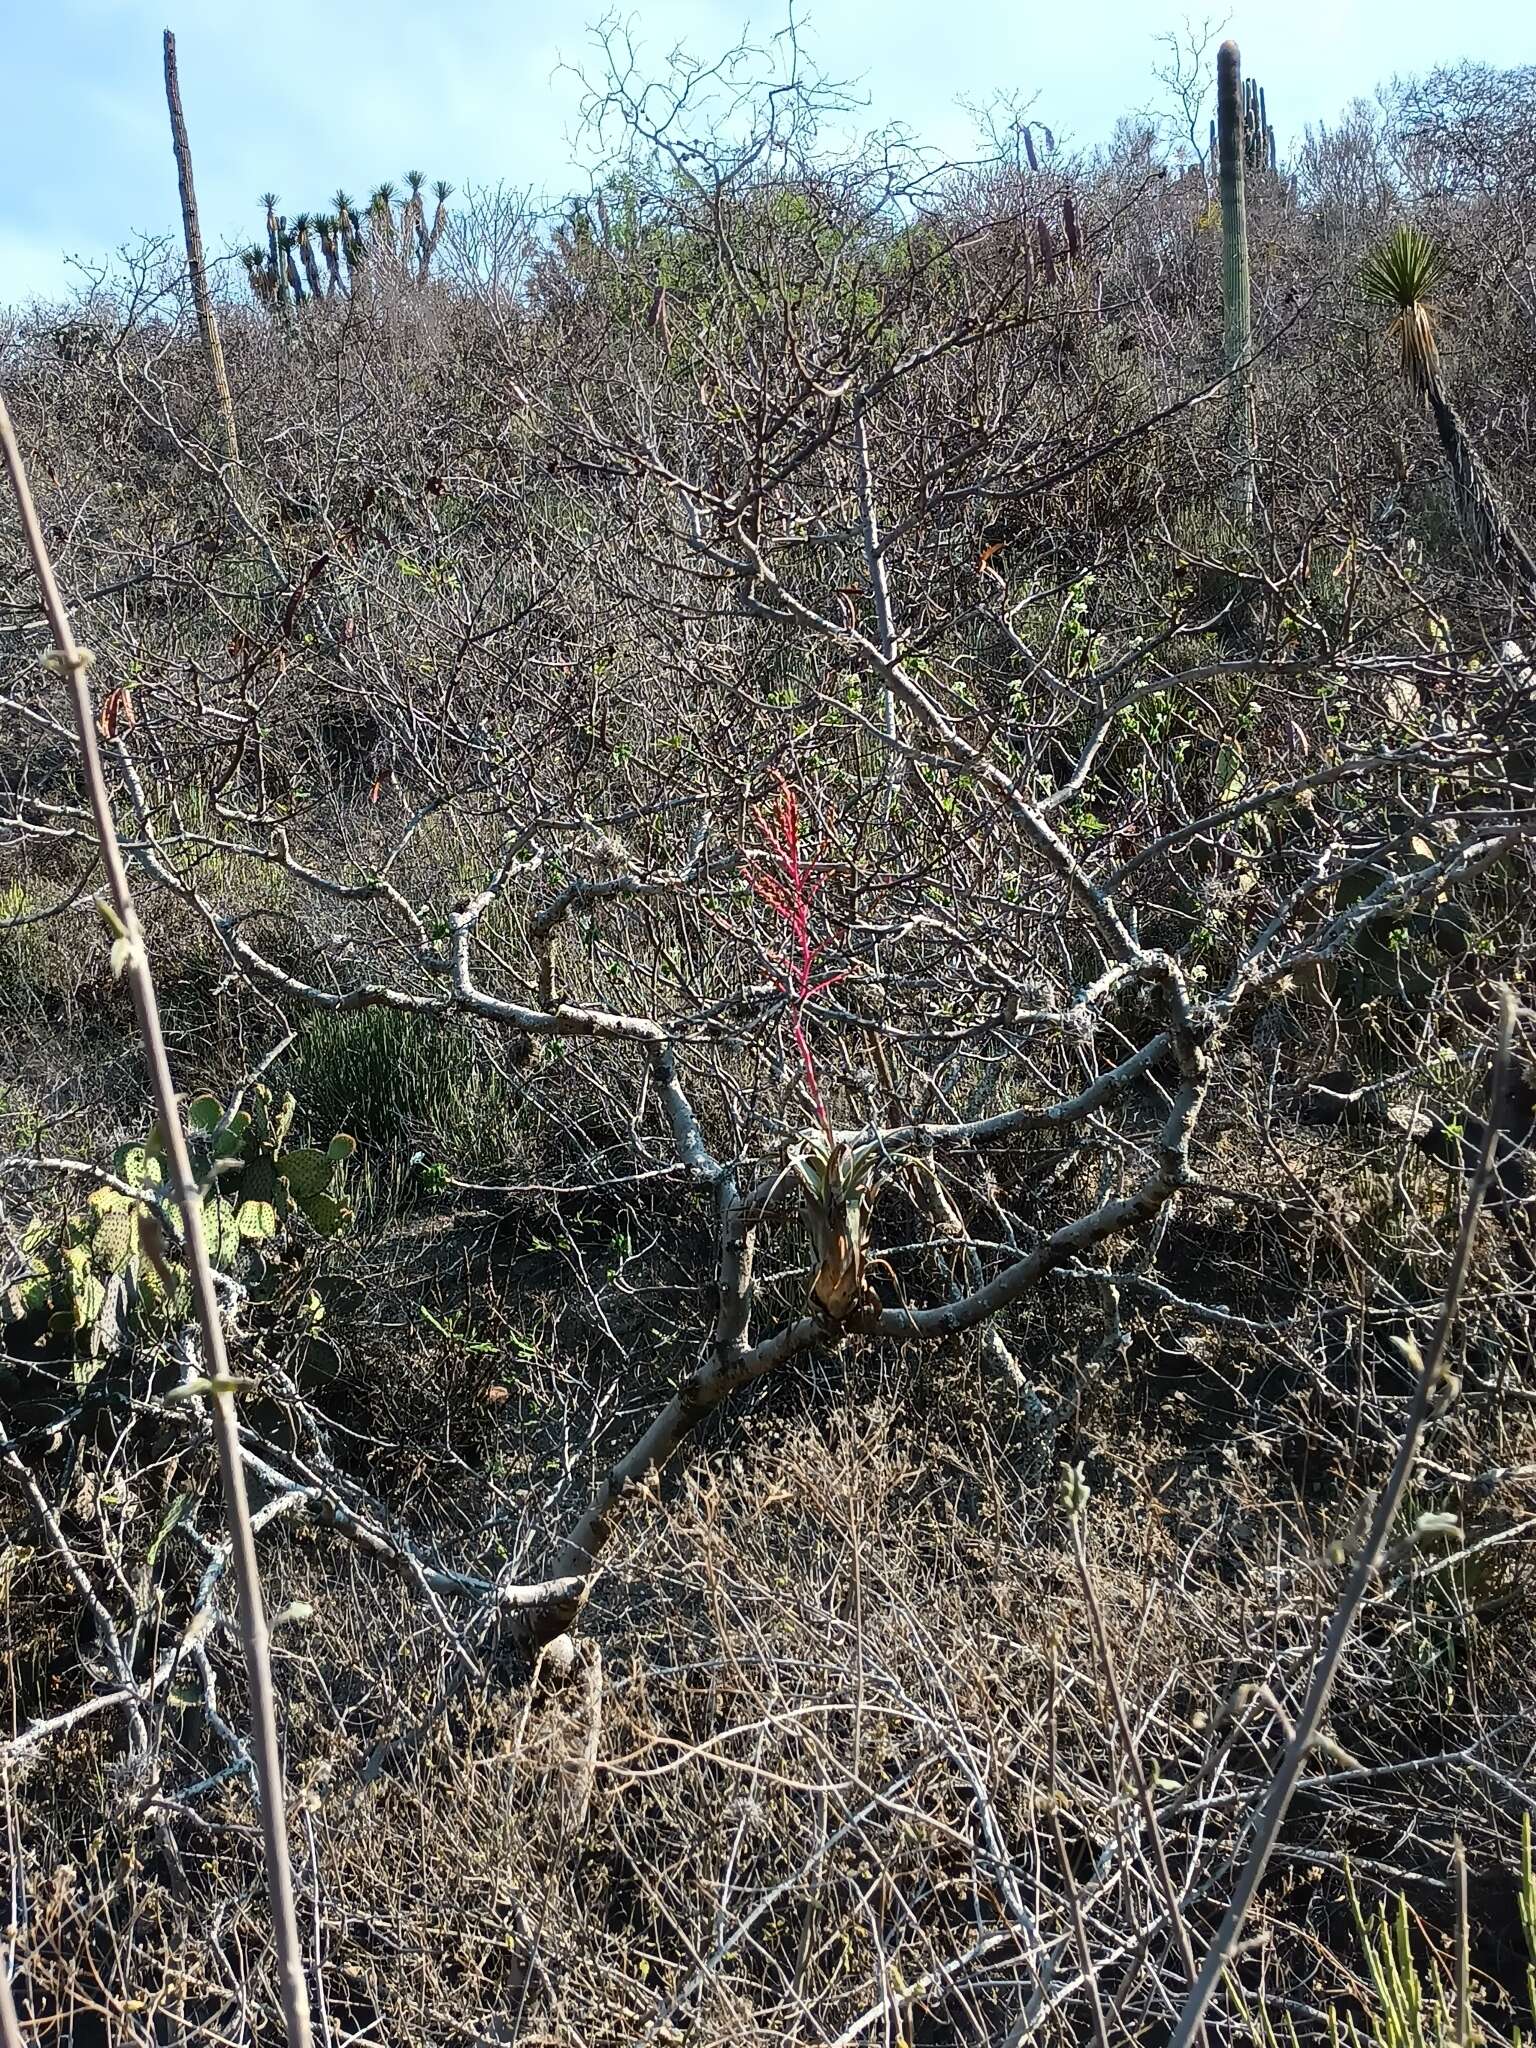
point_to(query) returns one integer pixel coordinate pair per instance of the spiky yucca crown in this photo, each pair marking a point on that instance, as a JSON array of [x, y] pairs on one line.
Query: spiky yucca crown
[[1402, 275]]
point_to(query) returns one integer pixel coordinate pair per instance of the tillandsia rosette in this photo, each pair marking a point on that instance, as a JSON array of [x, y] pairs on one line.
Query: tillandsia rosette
[[838, 1187]]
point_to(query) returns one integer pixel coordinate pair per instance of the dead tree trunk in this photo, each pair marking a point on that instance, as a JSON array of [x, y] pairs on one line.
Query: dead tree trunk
[[212, 346]]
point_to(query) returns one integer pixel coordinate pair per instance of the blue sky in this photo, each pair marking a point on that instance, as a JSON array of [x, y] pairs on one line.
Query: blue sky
[[303, 95]]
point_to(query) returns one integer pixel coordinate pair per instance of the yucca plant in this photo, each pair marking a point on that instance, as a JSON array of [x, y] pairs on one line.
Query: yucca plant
[[349, 232], [1403, 276], [260, 275], [381, 217], [325, 228], [302, 240], [412, 221], [295, 283], [441, 192], [278, 265]]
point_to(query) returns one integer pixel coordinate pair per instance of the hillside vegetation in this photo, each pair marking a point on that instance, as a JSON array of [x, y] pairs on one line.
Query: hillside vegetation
[[834, 905]]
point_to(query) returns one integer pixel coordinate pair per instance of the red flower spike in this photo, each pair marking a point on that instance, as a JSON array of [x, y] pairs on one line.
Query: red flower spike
[[788, 886]]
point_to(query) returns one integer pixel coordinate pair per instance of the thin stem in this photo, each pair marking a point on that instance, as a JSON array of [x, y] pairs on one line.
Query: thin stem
[[1074, 1898], [74, 662]]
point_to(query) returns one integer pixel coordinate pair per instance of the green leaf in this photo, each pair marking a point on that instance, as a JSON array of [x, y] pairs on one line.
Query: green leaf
[[29, 1297], [341, 1148], [1229, 774], [1405, 269], [89, 1296], [259, 1182], [175, 1513]]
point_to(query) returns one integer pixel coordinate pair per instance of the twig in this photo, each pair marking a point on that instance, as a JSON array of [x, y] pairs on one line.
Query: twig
[[1074, 1896]]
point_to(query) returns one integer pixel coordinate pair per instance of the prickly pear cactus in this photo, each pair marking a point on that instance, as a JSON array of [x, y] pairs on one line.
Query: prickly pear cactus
[[104, 1276]]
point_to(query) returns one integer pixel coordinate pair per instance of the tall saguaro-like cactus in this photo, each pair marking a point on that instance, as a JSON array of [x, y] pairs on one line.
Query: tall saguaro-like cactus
[[1235, 294]]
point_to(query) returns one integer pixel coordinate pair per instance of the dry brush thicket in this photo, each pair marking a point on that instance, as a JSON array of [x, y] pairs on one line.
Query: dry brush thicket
[[878, 936]]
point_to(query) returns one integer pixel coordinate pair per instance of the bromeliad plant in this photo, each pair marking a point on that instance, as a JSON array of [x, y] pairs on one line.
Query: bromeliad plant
[[837, 1192], [836, 1178], [102, 1277]]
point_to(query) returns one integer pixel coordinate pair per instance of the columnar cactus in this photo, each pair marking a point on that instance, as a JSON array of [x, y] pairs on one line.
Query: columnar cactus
[[1259, 151], [1258, 136], [197, 272], [1235, 290]]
